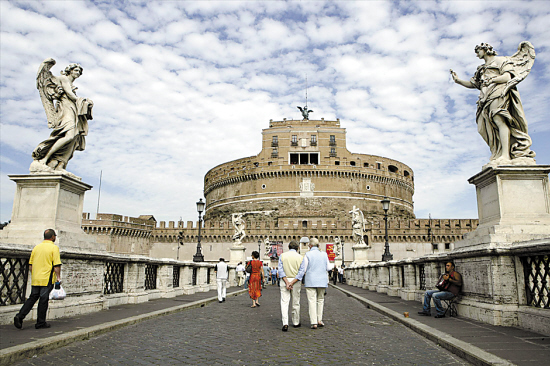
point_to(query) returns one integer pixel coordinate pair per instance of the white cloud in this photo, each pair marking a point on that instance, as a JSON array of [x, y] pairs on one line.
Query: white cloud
[[180, 87]]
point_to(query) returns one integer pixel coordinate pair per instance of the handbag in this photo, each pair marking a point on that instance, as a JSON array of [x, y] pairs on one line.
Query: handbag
[[58, 293], [249, 268]]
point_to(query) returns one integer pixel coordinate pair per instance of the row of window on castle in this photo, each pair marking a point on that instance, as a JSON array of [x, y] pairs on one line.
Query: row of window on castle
[[294, 139]]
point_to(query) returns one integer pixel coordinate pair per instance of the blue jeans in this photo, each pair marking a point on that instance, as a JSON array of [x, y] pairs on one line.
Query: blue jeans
[[437, 296]]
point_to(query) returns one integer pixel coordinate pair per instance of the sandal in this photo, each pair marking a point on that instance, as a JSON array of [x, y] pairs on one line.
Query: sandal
[[257, 304], [314, 326], [253, 306], [321, 324]]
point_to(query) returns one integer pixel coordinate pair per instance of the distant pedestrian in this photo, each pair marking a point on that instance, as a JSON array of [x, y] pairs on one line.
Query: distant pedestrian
[[334, 275], [273, 276], [289, 264], [256, 278], [221, 279], [340, 274], [240, 274], [267, 275], [45, 269], [315, 266]]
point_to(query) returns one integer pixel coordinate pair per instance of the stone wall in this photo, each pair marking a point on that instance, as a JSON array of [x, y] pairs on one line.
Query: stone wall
[[328, 187], [85, 275], [409, 238], [495, 279]]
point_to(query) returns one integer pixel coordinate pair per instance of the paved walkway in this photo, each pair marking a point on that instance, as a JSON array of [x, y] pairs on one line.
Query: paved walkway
[[481, 340], [196, 329]]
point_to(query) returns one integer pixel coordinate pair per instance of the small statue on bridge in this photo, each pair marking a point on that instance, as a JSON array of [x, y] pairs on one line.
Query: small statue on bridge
[[337, 246], [238, 225], [358, 226], [267, 246]]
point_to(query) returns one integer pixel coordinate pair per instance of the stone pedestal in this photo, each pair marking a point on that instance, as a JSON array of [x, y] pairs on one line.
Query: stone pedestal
[[237, 255], [360, 254], [49, 202], [513, 205]]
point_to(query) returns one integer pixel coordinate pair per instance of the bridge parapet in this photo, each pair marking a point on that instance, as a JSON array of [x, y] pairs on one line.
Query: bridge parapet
[[96, 282], [505, 286]]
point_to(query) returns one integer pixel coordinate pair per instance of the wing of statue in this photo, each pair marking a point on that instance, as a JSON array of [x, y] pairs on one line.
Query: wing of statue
[[310, 111], [49, 90], [300, 108], [522, 61]]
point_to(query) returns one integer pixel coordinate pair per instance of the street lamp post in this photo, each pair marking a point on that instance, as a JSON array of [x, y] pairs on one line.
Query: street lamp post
[[260, 247], [387, 256], [180, 243], [198, 257], [342, 242]]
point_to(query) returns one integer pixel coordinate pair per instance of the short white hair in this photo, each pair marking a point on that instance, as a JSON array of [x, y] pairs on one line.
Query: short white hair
[[314, 242]]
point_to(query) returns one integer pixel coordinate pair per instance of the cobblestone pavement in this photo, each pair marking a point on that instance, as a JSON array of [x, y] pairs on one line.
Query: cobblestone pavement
[[232, 333]]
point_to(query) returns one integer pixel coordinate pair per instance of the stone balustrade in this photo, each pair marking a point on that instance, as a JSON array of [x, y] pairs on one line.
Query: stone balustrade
[[503, 285], [95, 281]]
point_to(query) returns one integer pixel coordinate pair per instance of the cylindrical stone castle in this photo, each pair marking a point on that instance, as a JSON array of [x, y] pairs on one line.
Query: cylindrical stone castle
[[305, 172]]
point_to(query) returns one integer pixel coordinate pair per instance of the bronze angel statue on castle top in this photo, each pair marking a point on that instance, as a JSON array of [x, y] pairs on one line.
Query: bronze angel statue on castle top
[[67, 115], [500, 117]]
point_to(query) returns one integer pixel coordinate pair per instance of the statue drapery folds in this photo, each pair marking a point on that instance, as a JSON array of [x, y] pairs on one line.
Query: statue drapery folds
[[500, 117], [67, 115]]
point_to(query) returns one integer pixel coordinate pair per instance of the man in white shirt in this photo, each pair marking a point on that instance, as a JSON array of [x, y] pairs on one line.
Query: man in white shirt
[[240, 274], [289, 264], [221, 279]]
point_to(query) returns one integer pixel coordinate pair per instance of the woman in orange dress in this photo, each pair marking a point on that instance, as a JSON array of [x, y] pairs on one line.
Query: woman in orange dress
[[256, 279]]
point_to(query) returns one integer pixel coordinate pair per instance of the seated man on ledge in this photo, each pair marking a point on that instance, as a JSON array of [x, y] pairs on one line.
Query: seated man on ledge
[[448, 286]]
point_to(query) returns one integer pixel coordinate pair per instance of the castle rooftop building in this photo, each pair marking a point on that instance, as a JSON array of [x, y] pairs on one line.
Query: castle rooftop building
[[306, 172]]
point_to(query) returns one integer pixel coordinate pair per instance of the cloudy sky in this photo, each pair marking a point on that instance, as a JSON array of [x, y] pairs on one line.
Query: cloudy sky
[[182, 86]]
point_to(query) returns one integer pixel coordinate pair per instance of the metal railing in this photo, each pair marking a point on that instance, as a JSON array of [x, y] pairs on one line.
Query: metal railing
[[176, 277], [15, 271], [194, 278], [536, 270], [151, 276], [113, 278], [422, 275]]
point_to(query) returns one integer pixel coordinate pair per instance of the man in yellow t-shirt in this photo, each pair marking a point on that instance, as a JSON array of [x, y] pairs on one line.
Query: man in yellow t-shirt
[[45, 269]]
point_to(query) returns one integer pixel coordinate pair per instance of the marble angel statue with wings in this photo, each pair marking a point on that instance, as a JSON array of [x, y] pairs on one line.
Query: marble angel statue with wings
[[500, 117], [67, 116]]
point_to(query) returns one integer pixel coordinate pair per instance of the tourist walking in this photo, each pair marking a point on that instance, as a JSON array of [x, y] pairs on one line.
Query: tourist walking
[[267, 275], [256, 279], [221, 279], [289, 264], [273, 276], [341, 274], [240, 271], [315, 266], [334, 273], [45, 269]]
